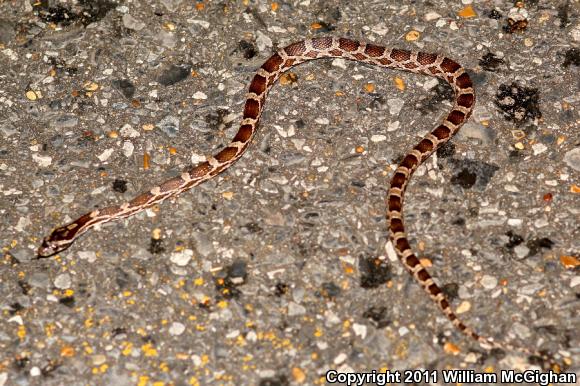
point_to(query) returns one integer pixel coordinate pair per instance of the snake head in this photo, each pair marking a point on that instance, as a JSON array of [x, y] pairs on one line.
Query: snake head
[[58, 240]]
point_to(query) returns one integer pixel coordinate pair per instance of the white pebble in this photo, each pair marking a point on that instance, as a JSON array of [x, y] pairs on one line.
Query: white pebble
[[539, 148], [199, 95], [521, 251], [432, 16], [575, 281], [322, 121], [340, 358], [128, 148], [403, 331], [35, 372], [341, 63], [181, 258], [176, 329], [378, 138], [105, 155], [488, 282], [90, 256], [42, 161], [128, 131], [463, 307], [514, 222], [62, 281], [360, 330], [295, 309]]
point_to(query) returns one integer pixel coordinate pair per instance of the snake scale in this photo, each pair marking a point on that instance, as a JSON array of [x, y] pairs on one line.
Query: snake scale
[[325, 47]]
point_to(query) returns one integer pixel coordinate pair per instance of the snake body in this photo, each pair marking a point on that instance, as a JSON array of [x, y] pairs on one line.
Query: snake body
[[325, 47]]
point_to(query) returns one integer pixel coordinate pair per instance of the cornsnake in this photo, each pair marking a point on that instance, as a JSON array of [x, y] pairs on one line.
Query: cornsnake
[[325, 47]]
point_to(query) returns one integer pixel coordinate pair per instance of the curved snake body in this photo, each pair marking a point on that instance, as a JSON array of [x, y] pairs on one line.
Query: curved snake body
[[266, 76]]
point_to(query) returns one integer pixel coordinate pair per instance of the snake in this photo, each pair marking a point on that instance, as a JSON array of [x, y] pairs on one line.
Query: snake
[[284, 59]]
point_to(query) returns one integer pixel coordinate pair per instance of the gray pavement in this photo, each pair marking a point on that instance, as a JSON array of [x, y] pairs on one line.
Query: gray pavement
[[279, 270]]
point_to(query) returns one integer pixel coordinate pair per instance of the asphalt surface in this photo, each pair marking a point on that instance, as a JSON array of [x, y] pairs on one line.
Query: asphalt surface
[[279, 269]]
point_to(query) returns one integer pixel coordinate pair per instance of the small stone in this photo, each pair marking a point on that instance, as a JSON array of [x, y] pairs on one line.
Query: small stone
[[575, 281], [176, 328], [98, 359], [298, 375], [174, 74], [63, 281], [295, 309], [488, 282], [181, 258], [521, 251], [412, 35], [131, 23], [105, 155], [199, 95], [451, 348], [378, 138], [432, 16], [572, 158], [360, 330], [395, 105], [127, 131], [31, 95], [340, 358], [539, 148], [569, 261], [42, 160], [463, 307], [35, 372], [90, 256]]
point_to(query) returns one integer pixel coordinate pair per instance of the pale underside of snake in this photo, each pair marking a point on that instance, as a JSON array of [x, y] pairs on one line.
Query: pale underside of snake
[[326, 47]]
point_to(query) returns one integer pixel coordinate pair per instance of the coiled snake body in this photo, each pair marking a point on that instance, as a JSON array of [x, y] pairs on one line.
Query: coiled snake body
[[266, 76]]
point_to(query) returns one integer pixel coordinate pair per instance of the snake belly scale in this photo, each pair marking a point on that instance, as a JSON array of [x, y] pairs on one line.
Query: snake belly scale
[[325, 47]]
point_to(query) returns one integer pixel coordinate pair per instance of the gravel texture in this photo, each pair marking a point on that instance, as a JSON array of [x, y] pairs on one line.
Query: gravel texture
[[279, 269]]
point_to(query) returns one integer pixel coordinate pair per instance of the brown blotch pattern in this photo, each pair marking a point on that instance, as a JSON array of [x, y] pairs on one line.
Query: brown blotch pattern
[[425, 58], [244, 134], [425, 146], [398, 180], [311, 54], [200, 170], [252, 109], [348, 45], [295, 49], [456, 117], [289, 62], [412, 261], [273, 64], [449, 65], [444, 303], [258, 85], [374, 51], [410, 66], [322, 43], [434, 289], [423, 275], [400, 55], [141, 199], [359, 56], [465, 100], [226, 154], [403, 245], [463, 81], [441, 132], [395, 203], [410, 161], [171, 184], [434, 70], [336, 52], [397, 225], [385, 61]]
